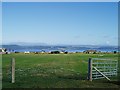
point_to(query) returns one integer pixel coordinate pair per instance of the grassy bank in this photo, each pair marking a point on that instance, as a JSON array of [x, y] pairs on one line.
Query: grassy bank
[[52, 71]]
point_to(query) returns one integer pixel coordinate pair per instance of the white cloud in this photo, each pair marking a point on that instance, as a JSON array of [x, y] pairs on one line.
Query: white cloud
[[107, 42]]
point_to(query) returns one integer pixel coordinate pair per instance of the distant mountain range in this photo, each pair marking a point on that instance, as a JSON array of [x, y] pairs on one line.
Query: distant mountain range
[[41, 46], [45, 44], [57, 46], [25, 44]]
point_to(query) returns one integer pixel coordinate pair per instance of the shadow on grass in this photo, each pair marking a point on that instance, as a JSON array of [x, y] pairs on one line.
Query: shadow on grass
[[115, 82], [74, 77]]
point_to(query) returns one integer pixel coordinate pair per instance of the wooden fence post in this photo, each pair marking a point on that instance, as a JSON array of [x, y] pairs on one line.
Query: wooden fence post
[[90, 69], [13, 70]]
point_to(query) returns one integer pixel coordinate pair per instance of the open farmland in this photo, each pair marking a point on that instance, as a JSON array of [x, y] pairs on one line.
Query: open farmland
[[52, 71]]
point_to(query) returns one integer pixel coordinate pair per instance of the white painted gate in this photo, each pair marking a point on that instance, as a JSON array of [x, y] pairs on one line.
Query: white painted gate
[[102, 68]]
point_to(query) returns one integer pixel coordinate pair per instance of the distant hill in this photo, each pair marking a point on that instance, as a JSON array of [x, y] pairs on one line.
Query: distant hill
[[27, 44], [73, 47], [11, 46]]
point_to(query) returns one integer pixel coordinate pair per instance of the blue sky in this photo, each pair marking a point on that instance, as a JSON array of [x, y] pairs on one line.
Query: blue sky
[[71, 23]]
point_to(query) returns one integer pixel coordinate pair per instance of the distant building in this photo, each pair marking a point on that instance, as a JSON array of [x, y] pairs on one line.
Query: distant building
[[61, 52], [3, 50], [90, 51], [26, 52], [43, 51]]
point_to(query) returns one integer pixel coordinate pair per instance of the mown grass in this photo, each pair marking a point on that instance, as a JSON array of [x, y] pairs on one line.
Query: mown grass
[[52, 71]]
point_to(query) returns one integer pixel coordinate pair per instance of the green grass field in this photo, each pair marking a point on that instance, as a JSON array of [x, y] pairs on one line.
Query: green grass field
[[52, 71]]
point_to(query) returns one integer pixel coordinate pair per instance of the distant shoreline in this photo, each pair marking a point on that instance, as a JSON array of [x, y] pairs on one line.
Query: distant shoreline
[[81, 48]]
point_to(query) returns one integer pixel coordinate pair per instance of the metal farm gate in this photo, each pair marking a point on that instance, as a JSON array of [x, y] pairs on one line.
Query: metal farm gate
[[102, 68]]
